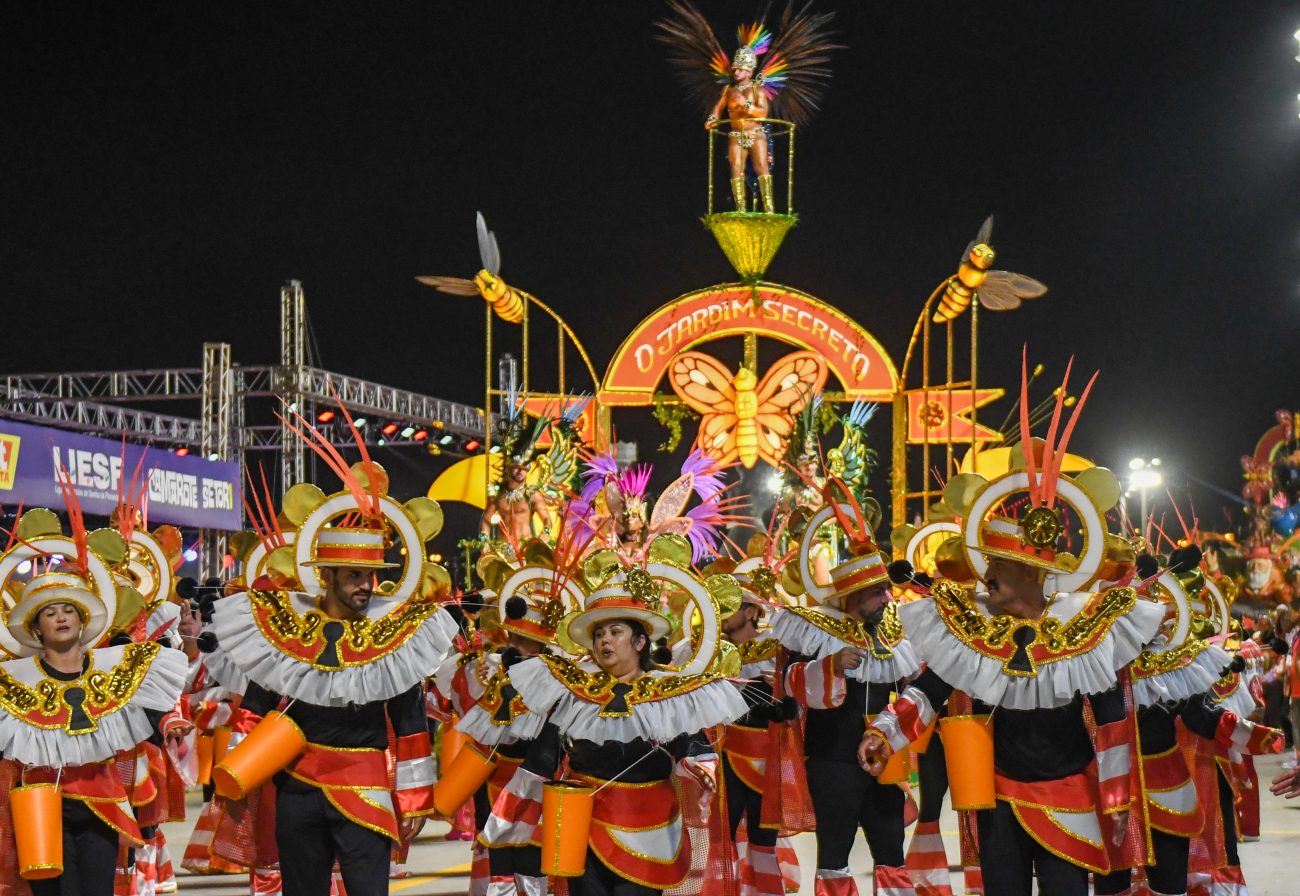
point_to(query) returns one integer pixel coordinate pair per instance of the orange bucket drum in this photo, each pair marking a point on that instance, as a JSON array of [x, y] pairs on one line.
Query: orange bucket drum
[[269, 747], [203, 745], [38, 827], [467, 773], [452, 743], [968, 752], [566, 826], [897, 769]]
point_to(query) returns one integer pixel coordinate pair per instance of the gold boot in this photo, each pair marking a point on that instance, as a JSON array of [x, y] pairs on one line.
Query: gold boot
[[738, 192], [765, 189]]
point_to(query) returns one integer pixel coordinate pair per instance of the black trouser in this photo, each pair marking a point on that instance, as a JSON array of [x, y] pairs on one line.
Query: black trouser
[[846, 798], [747, 803], [1010, 857], [505, 861], [89, 855], [1168, 874], [597, 880], [1228, 809], [932, 778], [311, 834]]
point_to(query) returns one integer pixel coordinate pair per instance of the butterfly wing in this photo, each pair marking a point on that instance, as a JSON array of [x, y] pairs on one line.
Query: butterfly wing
[[703, 383], [784, 390]]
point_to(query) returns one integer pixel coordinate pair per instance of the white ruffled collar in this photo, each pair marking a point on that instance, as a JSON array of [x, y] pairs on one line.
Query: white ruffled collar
[[288, 663], [585, 703], [887, 654], [154, 677], [1077, 647]]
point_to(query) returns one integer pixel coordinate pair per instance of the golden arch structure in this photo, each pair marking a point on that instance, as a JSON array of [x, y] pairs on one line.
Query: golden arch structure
[[770, 311]]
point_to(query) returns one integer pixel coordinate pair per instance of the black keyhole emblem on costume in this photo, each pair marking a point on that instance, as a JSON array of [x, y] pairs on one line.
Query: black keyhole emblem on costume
[[329, 656], [74, 697], [508, 694], [1023, 637], [618, 701]]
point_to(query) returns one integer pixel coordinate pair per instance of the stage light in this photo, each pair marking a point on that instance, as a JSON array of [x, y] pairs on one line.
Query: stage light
[[420, 435], [324, 416], [359, 422], [775, 482], [447, 439], [438, 424], [473, 445], [408, 431], [389, 429], [382, 443], [191, 555], [24, 568], [181, 452], [212, 456], [434, 449]]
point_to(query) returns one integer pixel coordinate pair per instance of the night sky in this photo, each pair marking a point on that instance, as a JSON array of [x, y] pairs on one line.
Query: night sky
[[167, 166]]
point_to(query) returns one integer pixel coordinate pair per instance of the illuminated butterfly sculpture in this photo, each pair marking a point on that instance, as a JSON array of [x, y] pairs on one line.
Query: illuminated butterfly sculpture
[[745, 418]]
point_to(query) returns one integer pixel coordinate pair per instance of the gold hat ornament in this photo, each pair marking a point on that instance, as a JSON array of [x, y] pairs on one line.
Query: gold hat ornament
[[74, 569], [867, 564], [1033, 535], [373, 523], [641, 592], [534, 600]]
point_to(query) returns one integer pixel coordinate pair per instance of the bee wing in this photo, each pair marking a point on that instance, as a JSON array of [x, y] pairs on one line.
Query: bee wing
[[703, 383], [1003, 290], [488, 252], [456, 286], [791, 383]]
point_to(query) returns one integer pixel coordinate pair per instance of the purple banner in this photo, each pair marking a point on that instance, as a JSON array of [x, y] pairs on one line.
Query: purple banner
[[182, 490]]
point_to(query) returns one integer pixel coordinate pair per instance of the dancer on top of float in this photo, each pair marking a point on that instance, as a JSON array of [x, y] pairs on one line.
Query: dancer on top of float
[[69, 707], [351, 657], [1048, 634], [789, 84]]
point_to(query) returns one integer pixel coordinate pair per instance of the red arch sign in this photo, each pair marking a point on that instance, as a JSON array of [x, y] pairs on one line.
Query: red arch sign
[[856, 358]]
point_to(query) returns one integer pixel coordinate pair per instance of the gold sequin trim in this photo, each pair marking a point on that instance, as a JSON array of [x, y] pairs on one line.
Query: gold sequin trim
[[47, 707], [598, 687]]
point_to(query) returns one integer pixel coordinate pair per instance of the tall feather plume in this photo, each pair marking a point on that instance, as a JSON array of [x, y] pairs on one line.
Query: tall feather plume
[[76, 519], [855, 525], [335, 461], [1058, 455], [372, 480], [1026, 445], [694, 51], [129, 497]]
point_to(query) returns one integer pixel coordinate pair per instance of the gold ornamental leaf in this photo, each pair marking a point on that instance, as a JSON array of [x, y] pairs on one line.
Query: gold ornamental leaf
[[726, 591], [362, 471], [108, 544], [1101, 485], [901, 535], [671, 548], [538, 553], [599, 566], [300, 501], [960, 491], [427, 514], [37, 522]]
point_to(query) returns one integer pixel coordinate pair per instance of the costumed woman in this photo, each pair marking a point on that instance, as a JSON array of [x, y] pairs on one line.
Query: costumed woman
[[350, 656], [788, 84], [625, 725], [69, 707]]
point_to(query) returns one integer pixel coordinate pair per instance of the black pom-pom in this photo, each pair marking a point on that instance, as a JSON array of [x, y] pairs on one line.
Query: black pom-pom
[[516, 608], [207, 642], [1185, 559], [1279, 647], [661, 655], [901, 572], [119, 639], [1147, 566], [187, 588], [1238, 664], [510, 656], [789, 709], [213, 582], [923, 580]]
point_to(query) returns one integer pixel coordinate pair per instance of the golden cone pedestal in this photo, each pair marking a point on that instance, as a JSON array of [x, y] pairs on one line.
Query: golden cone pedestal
[[750, 240]]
